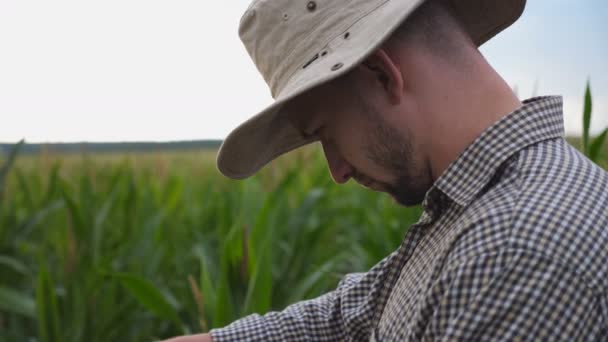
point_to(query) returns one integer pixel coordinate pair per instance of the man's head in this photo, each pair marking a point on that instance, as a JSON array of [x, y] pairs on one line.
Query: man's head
[[392, 89], [374, 123]]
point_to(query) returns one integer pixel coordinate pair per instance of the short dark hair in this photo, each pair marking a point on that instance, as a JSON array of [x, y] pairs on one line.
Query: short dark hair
[[434, 26]]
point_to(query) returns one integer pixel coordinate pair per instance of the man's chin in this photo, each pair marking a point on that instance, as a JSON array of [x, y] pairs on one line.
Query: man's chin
[[400, 197], [404, 200], [407, 204]]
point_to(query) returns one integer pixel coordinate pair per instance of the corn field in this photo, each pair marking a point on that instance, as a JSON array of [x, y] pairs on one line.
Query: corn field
[[135, 248]]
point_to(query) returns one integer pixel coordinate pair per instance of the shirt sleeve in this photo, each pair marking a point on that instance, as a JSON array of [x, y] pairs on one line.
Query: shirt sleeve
[[344, 314], [514, 296]]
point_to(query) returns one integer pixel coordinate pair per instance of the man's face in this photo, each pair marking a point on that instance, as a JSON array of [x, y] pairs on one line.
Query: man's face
[[361, 140]]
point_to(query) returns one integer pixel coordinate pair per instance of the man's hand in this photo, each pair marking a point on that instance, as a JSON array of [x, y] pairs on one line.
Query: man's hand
[[191, 338]]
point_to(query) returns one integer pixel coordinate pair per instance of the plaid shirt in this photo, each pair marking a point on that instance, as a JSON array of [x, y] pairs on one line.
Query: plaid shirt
[[512, 245]]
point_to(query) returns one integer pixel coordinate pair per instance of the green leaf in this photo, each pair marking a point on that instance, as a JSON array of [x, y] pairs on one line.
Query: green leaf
[[596, 146], [205, 280], [77, 315], [308, 282], [24, 189], [148, 296], [74, 209], [225, 306], [37, 218], [587, 118], [15, 302], [98, 227], [46, 306], [8, 164], [14, 264], [53, 181]]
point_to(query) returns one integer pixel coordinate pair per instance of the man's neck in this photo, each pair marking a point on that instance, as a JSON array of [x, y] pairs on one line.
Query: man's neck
[[486, 100]]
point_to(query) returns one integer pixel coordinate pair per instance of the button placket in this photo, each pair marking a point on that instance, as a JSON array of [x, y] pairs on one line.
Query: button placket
[[404, 253]]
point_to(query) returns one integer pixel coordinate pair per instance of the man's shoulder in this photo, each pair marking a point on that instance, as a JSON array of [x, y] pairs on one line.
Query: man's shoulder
[[551, 200], [549, 182], [562, 208], [555, 183]]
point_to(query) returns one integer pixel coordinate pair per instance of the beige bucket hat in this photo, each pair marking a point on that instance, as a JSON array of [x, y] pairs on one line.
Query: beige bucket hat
[[300, 44]]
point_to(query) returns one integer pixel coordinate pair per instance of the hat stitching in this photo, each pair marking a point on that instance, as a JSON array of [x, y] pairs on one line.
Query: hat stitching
[[314, 58]]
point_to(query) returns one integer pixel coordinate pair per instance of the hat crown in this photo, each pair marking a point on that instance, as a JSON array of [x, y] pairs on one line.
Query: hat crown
[[282, 36]]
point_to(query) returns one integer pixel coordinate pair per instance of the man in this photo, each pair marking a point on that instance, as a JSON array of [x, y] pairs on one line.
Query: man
[[513, 241]]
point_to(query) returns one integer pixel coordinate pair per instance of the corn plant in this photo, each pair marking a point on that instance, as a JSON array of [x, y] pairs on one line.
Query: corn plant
[[591, 147]]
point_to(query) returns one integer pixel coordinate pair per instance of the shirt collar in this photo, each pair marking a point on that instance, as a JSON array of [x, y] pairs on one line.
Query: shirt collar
[[538, 119]]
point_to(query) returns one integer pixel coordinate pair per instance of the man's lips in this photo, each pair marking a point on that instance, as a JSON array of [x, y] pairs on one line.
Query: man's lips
[[369, 182]]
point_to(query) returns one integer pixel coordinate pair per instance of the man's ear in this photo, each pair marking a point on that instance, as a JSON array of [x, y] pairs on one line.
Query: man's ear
[[388, 74]]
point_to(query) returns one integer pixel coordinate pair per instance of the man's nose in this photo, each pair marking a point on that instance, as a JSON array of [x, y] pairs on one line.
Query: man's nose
[[341, 171]]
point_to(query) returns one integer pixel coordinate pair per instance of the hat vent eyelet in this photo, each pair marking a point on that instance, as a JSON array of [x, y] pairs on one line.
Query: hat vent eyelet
[[337, 66], [311, 6], [347, 35]]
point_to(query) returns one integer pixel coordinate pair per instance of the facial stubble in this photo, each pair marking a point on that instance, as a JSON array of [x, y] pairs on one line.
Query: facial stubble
[[392, 150]]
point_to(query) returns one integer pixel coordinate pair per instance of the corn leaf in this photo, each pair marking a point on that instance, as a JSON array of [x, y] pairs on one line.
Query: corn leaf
[[47, 308], [596, 146], [16, 302], [587, 119], [7, 166], [14, 264], [148, 296]]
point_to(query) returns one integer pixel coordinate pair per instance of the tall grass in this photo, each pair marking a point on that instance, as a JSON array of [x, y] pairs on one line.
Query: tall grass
[[149, 246], [591, 147]]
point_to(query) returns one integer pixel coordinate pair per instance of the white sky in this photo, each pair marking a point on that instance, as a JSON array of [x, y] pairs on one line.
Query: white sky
[[152, 70]]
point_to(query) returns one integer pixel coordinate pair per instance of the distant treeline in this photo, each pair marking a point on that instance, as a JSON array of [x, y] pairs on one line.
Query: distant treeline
[[86, 147]]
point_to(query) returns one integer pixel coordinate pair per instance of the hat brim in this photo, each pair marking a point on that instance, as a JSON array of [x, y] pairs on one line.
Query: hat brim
[[270, 134]]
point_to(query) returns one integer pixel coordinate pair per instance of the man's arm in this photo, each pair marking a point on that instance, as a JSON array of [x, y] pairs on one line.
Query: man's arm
[[191, 338], [342, 314], [514, 295]]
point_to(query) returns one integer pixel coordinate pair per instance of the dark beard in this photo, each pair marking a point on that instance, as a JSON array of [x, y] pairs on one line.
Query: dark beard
[[392, 150], [406, 193]]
